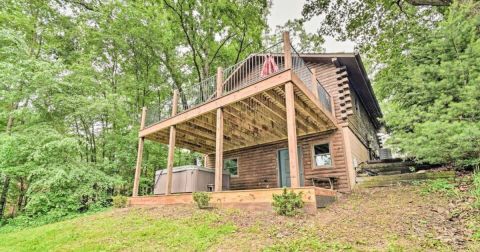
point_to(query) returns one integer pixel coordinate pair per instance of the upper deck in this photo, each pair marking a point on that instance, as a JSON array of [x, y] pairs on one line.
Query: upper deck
[[252, 97]]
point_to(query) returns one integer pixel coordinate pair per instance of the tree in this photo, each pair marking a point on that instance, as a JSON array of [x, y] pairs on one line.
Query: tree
[[424, 66], [74, 76], [431, 94]]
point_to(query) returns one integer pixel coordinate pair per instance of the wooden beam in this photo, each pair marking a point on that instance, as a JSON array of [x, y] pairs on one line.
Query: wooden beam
[[219, 152], [138, 167], [171, 146], [266, 84], [292, 135], [287, 50], [276, 95], [219, 136]]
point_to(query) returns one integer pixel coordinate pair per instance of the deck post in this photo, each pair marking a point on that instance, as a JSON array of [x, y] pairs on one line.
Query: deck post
[[314, 82], [292, 135], [219, 136], [287, 50], [138, 167], [171, 146]]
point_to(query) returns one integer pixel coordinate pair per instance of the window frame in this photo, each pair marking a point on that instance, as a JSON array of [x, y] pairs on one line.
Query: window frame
[[238, 170], [314, 163]]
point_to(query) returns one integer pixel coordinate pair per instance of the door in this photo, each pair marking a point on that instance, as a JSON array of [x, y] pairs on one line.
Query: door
[[284, 167]]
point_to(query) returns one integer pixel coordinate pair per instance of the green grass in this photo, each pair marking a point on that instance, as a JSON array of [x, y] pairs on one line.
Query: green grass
[[378, 219], [308, 244], [114, 231], [442, 186]]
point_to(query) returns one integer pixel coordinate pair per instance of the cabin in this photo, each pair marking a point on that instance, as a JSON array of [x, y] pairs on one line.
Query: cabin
[[276, 119]]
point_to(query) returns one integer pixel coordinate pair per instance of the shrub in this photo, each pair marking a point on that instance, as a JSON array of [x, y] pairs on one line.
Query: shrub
[[287, 203], [202, 199], [120, 201]]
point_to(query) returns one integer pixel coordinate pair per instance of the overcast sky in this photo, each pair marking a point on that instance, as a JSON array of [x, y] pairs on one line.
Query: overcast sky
[[283, 10]]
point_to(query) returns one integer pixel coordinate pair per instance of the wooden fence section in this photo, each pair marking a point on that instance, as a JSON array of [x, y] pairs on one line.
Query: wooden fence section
[[260, 199]]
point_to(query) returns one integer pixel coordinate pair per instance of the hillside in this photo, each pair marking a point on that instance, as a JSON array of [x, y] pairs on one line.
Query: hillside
[[391, 219]]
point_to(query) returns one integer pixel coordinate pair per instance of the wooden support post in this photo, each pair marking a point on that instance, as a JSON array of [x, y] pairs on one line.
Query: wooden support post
[[138, 167], [219, 136], [287, 50], [292, 135], [219, 152], [314, 82], [171, 146]]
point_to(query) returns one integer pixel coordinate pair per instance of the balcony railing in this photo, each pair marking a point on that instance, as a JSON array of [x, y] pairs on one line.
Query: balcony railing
[[305, 74], [247, 72]]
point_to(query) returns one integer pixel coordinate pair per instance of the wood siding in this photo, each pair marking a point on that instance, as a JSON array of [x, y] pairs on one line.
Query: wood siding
[[359, 122], [258, 166], [336, 82]]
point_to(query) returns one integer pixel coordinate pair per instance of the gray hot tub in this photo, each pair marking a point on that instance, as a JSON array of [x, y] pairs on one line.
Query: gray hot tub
[[189, 178]]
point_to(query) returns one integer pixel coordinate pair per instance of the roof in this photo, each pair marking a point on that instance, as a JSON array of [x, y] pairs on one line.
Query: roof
[[359, 80]]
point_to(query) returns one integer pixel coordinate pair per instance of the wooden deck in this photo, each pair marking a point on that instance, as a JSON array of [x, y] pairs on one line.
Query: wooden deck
[[260, 199], [253, 115], [280, 106]]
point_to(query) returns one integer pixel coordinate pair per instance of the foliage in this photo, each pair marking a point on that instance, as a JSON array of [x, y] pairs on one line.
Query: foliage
[[74, 76], [431, 93], [442, 186], [424, 61], [380, 28], [202, 199], [288, 203], [119, 201]]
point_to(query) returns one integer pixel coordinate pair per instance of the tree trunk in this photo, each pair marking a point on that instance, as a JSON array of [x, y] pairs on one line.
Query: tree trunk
[[21, 196], [3, 196]]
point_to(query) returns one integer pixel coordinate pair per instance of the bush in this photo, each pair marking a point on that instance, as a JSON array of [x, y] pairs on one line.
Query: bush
[[120, 201], [287, 203], [202, 199]]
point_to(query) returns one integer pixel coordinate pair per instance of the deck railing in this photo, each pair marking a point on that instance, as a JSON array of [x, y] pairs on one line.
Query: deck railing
[[159, 111], [323, 96], [247, 72], [197, 94], [305, 74]]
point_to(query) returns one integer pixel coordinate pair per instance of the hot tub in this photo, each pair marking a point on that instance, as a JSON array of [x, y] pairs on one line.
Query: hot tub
[[189, 178]]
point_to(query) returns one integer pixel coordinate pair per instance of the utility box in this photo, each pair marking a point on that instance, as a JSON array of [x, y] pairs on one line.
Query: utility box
[[189, 178], [385, 153]]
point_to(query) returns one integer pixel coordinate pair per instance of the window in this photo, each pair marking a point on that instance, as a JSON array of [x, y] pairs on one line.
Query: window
[[322, 155], [231, 166]]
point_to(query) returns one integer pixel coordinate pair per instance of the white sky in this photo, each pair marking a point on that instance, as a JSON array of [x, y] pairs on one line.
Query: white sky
[[283, 10]]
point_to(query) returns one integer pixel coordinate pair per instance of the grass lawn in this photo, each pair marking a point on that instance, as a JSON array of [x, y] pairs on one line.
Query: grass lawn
[[385, 219]]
